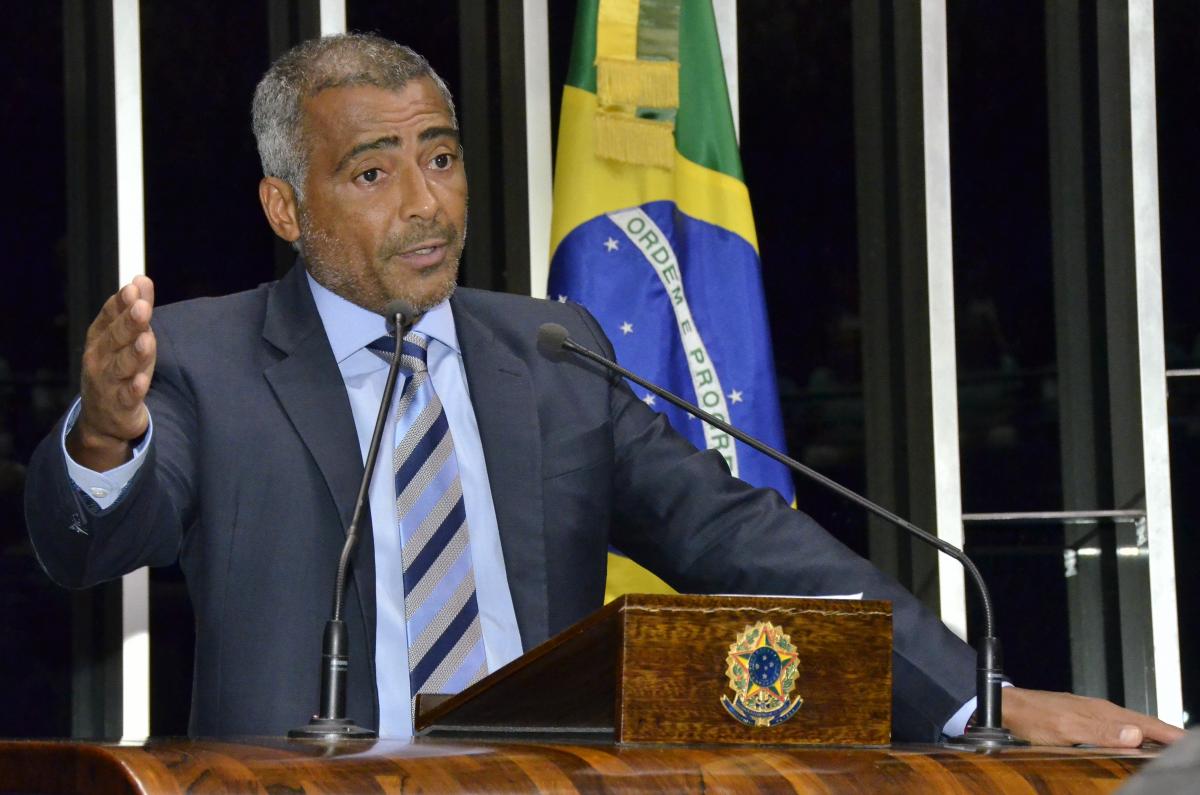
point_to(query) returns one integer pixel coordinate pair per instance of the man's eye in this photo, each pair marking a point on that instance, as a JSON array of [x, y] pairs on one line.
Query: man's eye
[[370, 175], [443, 161]]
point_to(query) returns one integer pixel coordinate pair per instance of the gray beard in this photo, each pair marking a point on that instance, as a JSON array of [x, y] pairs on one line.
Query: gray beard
[[329, 267]]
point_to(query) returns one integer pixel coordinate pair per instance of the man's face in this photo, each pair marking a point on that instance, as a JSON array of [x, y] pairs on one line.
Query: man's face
[[385, 208]]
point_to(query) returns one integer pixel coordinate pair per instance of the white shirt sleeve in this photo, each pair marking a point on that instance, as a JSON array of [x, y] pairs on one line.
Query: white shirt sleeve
[[957, 725], [104, 488]]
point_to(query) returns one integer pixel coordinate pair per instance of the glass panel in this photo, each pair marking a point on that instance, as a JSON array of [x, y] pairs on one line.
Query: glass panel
[[1049, 578], [1176, 23], [1177, 62], [428, 26], [1004, 297], [35, 646], [1183, 407], [797, 143], [1058, 622], [205, 231]]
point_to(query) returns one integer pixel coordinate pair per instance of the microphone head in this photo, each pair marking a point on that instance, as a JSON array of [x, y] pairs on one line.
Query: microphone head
[[550, 339], [398, 306]]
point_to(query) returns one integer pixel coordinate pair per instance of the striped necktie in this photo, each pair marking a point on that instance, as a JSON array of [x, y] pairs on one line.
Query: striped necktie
[[445, 642]]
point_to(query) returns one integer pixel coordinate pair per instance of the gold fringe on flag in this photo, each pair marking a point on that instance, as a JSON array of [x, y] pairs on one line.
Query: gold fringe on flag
[[628, 139], [646, 84]]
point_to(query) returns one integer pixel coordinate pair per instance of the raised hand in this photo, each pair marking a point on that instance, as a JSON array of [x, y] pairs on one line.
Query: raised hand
[[118, 363]]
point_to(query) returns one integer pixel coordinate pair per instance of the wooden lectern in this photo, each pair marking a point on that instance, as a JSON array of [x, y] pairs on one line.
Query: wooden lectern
[[664, 669], [650, 694]]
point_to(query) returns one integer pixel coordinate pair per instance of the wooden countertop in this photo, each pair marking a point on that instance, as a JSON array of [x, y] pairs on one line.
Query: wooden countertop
[[271, 765]]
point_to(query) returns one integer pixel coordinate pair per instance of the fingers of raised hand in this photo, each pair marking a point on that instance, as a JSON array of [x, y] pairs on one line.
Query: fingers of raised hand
[[118, 363], [124, 315], [130, 395], [140, 289], [135, 357], [126, 327], [145, 288]]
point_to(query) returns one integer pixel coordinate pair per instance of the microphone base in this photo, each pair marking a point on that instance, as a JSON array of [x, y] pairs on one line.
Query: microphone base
[[331, 729], [987, 738]]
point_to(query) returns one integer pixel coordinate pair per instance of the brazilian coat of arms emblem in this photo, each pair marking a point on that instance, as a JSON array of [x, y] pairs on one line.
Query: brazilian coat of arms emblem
[[762, 667]]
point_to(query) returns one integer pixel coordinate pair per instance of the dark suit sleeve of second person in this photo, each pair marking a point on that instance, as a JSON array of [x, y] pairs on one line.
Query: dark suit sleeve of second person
[[679, 513], [80, 545]]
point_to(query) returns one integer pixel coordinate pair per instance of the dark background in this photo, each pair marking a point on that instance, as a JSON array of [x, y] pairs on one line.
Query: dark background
[[205, 236]]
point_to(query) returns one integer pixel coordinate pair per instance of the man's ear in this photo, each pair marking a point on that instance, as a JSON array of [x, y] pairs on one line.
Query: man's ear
[[279, 205]]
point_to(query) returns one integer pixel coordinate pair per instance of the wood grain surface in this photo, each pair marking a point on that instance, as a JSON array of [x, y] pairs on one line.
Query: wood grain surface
[[675, 657], [277, 766]]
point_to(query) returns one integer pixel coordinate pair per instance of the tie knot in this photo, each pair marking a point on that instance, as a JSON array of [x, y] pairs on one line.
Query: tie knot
[[412, 351]]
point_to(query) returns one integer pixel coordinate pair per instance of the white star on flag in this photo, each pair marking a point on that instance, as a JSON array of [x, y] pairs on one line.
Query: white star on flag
[[648, 400], [611, 244], [562, 299], [626, 327], [735, 396]]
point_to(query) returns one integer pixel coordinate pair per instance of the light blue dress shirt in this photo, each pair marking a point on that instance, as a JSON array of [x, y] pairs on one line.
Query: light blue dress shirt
[[350, 329], [103, 487]]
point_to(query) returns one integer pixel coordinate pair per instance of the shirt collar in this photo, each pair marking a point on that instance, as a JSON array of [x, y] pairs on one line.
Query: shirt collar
[[350, 328]]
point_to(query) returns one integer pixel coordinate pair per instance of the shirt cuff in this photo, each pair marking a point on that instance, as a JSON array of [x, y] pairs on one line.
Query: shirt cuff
[[957, 725], [104, 488]]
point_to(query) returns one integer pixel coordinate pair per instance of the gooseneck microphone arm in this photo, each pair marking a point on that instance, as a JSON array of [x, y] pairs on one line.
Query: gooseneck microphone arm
[[360, 503], [987, 730], [929, 538], [331, 723]]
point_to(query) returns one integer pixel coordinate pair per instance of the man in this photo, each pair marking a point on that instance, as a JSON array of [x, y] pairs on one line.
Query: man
[[224, 435]]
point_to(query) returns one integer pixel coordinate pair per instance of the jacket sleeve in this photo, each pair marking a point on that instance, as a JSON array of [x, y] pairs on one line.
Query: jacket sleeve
[[682, 515], [80, 544]]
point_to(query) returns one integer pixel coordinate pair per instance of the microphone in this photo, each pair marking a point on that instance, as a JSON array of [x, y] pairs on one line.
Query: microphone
[[552, 337], [331, 723], [399, 314], [987, 732]]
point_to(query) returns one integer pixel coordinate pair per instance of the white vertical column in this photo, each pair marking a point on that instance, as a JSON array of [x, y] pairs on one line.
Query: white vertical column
[[333, 17], [1152, 359], [131, 261], [726, 13], [943, 369], [539, 151]]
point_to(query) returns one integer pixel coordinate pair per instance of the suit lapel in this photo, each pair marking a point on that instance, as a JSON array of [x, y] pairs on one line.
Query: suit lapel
[[310, 390], [506, 412]]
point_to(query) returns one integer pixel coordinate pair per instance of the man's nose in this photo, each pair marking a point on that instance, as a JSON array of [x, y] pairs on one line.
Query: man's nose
[[417, 199]]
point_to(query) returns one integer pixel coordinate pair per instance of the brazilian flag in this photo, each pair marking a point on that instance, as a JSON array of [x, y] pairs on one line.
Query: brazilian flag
[[652, 229]]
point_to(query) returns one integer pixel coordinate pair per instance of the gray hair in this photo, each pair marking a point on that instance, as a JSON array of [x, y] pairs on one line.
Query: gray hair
[[352, 59]]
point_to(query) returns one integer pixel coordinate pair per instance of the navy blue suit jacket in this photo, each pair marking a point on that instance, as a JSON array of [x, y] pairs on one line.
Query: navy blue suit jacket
[[252, 473]]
